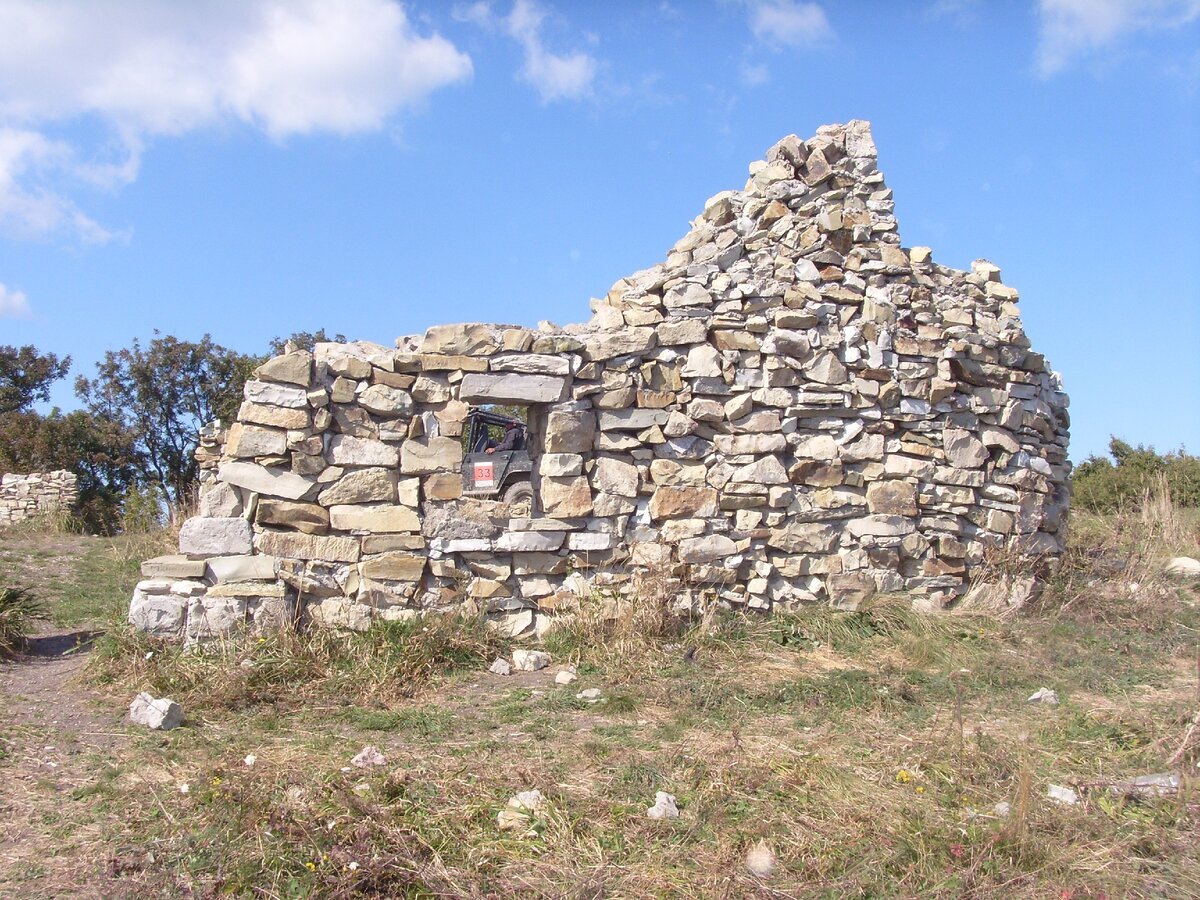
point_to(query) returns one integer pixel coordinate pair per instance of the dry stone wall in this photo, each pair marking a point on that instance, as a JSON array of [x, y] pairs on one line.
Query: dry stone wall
[[791, 408], [37, 494]]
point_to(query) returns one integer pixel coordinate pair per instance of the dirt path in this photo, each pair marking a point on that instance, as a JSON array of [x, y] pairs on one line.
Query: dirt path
[[56, 740]]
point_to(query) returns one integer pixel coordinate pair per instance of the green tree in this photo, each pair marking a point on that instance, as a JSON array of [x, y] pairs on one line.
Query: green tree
[[162, 394], [26, 376]]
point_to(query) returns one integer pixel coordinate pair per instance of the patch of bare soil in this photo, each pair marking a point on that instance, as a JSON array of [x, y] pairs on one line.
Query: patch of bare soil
[[56, 738]]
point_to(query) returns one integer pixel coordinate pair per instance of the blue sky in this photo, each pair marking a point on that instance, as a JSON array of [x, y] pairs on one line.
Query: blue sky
[[253, 168]]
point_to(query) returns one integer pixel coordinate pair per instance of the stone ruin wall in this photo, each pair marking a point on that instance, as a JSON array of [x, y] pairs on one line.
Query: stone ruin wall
[[36, 494], [791, 409]]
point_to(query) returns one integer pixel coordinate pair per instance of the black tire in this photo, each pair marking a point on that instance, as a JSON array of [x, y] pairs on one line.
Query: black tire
[[519, 493]]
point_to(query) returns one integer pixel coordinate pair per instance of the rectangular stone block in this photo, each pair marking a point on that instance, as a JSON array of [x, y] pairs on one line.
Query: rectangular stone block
[[512, 388], [293, 545]]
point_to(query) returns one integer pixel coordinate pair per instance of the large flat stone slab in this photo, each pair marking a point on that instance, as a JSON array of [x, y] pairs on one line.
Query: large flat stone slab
[[511, 388]]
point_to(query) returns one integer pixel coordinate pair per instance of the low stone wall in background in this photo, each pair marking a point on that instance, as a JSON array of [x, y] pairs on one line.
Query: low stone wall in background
[[38, 493]]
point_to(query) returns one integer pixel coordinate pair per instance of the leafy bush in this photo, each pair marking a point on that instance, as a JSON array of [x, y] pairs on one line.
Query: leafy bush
[[1101, 485], [19, 609]]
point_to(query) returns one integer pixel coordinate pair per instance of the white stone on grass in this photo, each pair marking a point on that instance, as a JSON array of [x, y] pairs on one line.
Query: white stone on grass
[[1044, 695], [530, 660], [500, 666], [664, 807], [160, 714], [369, 756]]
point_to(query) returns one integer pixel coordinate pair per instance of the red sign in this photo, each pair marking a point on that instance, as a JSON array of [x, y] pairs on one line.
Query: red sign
[[485, 475]]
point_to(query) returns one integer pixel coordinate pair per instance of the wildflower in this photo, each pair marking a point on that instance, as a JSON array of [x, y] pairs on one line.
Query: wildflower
[[250, 760], [216, 781], [920, 789], [311, 866], [903, 776], [353, 867], [184, 788]]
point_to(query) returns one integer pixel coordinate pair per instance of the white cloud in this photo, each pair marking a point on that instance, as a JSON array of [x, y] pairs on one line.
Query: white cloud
[[555, 76], [789, 23], [13, 304], [1071, 28], [152, 68]]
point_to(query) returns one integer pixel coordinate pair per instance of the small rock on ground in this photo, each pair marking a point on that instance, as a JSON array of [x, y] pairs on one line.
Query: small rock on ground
[[591, 695], [566, 676], [369, 756], [760, 860], [1060, 794], [500, 667], [1044, 695], [530, 660], [520, 809], [664, 807], [1183, 565], [162, 714]]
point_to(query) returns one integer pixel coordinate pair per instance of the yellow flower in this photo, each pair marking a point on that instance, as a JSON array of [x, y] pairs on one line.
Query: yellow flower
[[903, 776], [920, 790], [216, 781], [311, 866]]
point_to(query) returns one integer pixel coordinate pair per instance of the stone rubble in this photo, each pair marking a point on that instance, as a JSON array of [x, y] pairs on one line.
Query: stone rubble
[[520, 810], [792, 408]]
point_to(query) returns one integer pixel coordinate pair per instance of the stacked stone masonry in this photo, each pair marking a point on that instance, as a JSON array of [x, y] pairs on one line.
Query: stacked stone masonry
[[791, 409], [38, 494]]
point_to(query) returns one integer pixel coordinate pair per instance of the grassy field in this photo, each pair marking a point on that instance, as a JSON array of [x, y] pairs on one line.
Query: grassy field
[[875, 754]]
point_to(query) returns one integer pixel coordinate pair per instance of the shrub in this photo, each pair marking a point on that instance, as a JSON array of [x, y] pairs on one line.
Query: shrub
[[19, 609], [1101, 485]]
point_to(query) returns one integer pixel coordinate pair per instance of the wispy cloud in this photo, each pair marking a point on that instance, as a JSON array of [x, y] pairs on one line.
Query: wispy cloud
[[1073, 28], [754, 74], [789, 23], [555, 76], [13, 304], [163, 68]]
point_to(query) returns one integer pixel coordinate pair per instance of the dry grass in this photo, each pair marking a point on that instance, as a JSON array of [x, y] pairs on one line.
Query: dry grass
[[868, 750]]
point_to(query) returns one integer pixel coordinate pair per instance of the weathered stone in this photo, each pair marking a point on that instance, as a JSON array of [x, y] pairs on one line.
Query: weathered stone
[[290, 368], [160, 714], [243, 567], [307, 517], [161, 615], [271, 394], [529, 541], [608, 344], [382, 518], [512, 388], [386, 401], [963, 451], [461, 340], [566, 497], [897, 498], [708, 548], [615, 477], [394, 567], [850, 590], [570, 431], [880, 526], [560, 464], [272, 416], [682, 501], [531, 364], [438, 454], [201, 537], [802, 537], [345, 450], [374, 485], [304, 546], [263, 480], [768, 470], [444, 486], [175, 566]]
